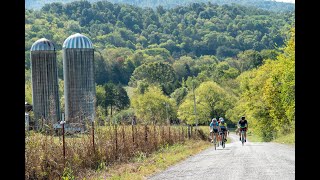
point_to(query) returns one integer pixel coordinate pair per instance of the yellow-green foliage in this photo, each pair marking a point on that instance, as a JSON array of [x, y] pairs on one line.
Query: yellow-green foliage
[[267, 96], [151, 106], [211, 100], [286, 139], [28, 92]]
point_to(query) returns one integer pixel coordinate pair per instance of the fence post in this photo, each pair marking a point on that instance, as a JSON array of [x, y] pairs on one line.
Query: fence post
[[116, 138], [154, 136], [133, 136], [146, 133], [63, 143], [145, 137], [191, 131], [123, 139], [93, 137], [179, 133], [182, 135], [169, 136], [162, 134]]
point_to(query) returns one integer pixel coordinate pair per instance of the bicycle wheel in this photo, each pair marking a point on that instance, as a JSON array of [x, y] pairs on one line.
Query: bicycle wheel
[[218, 141], [242, 137], [215, 141], [223, 142]]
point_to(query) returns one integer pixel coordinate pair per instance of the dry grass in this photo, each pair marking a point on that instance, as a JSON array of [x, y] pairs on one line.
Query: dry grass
[[113, 144], [141, 166]]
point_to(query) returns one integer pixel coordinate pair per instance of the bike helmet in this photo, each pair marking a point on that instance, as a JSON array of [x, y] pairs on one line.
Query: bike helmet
[[214, 119], [243, 117], [221, 119]]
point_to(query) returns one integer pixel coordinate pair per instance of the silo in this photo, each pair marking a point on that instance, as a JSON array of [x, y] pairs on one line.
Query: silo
[[79, 82], [44, 79]]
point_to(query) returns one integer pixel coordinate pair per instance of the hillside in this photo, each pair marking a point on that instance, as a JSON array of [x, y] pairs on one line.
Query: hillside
[[225, 60], [262, 4], [194, 30]]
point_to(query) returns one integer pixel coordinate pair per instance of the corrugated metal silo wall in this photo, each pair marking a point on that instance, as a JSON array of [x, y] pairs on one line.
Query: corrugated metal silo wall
[[79, 85], [45, 89]]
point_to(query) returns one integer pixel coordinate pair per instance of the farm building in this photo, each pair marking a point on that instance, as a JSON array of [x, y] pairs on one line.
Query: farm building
[[79, 82], [44, 78]]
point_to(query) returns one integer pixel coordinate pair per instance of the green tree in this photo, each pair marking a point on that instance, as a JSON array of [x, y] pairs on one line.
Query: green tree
[[153, 107], [179, 94], [156, 73], [267, 95], [211, 100], [116, 97]]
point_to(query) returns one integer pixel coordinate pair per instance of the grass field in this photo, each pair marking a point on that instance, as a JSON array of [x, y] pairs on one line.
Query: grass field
[[287, 139], [112, 145], [142, 166]]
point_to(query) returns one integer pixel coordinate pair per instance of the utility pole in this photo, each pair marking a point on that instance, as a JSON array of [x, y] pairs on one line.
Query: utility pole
[[194, 104]]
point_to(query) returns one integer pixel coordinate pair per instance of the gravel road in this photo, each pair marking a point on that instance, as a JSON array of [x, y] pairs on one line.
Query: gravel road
[[252, 161]]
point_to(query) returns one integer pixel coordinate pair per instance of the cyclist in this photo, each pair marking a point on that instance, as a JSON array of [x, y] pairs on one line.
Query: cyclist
[[237, 130], [214, 127], [223, 127], [219, 131], [243, 126]]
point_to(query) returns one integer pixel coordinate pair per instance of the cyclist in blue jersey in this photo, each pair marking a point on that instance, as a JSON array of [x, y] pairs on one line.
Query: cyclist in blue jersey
[[214, 128]]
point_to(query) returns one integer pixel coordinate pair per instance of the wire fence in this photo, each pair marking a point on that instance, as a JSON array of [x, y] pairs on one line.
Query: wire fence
[[44, 157]]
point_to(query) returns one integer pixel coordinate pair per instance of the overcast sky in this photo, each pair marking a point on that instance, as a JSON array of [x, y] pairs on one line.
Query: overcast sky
[[290, 1]]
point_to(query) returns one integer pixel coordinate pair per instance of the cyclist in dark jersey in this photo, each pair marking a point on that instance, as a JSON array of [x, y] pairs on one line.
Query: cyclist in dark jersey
[[223, 127], [243, 125]]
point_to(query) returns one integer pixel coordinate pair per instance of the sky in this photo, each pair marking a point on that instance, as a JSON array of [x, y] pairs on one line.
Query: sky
[[289, 1]]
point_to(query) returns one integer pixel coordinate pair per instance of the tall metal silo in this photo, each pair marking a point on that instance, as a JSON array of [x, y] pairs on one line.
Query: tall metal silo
[[79, 82], [44, 78]]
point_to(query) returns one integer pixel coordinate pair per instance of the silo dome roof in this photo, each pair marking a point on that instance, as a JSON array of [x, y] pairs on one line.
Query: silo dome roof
[[77, 41], [42, 44]]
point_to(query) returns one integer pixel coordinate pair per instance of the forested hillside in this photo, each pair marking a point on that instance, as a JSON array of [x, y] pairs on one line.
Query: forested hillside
[[262, 4], [235, 60]]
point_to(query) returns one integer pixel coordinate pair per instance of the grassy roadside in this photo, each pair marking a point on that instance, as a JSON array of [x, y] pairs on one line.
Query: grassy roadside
[[254, 138], [287, 139], [141, 166]]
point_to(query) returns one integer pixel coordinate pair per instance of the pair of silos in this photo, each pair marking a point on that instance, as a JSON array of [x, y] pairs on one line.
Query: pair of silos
[[79, 83]]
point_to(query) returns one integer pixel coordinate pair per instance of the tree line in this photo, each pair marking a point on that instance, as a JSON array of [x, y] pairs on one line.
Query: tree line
[[261, 4], [229, 60]]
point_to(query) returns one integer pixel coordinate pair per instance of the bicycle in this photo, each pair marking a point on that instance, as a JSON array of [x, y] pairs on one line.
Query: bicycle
[[242, 136], [223, 143], [214, 141]]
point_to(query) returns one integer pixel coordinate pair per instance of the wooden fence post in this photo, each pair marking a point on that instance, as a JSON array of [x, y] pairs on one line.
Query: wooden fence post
[[133, 136], [146, 137], [123, 140], [154, 137], [162, 135], [93, 137], [116, 139], [169, 136]]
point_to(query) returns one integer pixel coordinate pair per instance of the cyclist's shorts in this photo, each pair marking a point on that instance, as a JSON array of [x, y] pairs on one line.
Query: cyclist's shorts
[[215, 130], [223, 129], [243, 129]]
